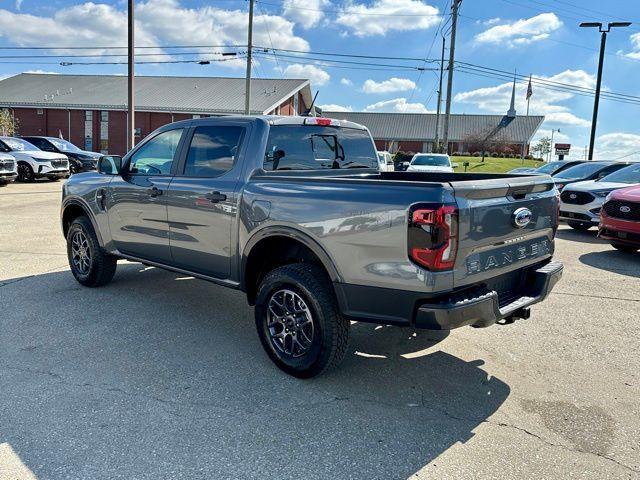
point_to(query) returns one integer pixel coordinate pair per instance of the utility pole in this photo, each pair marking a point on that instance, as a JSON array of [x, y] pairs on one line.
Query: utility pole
[[455, 4], [603, 42], [247, 88], [437, 142], [131, 129]]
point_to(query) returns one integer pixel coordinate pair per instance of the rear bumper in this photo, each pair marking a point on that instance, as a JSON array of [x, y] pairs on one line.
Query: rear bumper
[[478, 306], [482, 307]]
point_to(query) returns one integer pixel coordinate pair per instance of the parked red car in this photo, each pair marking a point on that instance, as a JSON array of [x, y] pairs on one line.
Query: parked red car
[[620, 219]]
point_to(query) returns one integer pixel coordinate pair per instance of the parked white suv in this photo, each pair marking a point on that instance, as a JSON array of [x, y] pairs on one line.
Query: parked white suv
[[8, 169], [430, 162], [33, 162], [580, 202], [385, 161]]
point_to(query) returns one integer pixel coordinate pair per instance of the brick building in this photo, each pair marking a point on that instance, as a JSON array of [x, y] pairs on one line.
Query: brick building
[[91, 110], [416, 132]]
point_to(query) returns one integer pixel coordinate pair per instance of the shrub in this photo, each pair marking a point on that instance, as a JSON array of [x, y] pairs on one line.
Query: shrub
[[494, 154], [477, 154], [528, 157], [466, 154], [456, 154]]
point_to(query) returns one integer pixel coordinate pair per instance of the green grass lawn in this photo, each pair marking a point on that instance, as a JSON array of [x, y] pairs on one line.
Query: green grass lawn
[[492, 165]]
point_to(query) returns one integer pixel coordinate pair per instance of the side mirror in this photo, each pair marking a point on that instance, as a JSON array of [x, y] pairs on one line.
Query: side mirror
[[110, 165]]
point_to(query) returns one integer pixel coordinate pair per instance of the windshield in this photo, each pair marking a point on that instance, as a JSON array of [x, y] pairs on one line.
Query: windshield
[[583, 170], [312, 147], [17, 144], [63, 145], [630, 174], [549, 167], [431, 160]]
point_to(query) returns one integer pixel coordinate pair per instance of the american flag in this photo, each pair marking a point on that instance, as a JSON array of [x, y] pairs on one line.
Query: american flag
[[529, 89]]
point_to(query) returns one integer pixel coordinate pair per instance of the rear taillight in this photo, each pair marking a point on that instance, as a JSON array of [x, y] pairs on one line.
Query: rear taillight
[[433, 236], [320, 121]]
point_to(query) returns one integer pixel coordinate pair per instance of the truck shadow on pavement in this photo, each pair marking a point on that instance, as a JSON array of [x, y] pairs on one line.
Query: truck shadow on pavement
[[614, 261], [162, 376], [590, 236]]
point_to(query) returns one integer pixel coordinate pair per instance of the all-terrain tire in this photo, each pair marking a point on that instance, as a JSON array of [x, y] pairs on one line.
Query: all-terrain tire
[[100, 266], [309, 284]]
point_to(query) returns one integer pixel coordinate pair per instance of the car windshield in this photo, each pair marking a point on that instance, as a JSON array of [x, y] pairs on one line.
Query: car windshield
[[583, 170], [549, 167], [17, 144], [63, 145], [630, 174], [431, 160]]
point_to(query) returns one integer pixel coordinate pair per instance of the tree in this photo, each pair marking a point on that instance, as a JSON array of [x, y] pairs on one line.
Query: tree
[[7, 124], [542, 148]]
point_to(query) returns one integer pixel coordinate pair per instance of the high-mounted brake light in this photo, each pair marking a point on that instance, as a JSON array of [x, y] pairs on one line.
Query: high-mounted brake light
[[320, 121], [433, 237]]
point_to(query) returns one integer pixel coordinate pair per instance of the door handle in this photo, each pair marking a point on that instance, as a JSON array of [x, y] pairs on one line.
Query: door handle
[[154, 192], [215, 197]]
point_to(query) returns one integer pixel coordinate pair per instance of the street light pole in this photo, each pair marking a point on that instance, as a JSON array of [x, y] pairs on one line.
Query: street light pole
[[130, 79], [553, 130], [247, 88], [603, 42]]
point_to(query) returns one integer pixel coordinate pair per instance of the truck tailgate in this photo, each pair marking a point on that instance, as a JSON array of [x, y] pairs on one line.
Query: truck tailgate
[[495, 240]]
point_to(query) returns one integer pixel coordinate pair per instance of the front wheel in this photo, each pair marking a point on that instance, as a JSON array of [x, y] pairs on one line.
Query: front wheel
[[25, 172], [298, 320], [624, 248], [90, 264], [582, 227]]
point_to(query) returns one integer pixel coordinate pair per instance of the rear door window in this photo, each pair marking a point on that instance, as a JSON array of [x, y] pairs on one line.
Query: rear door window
[[301, 147], [213, 150]]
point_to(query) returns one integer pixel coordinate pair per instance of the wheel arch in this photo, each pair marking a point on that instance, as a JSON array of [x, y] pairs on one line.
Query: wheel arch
[[74, 208], [285, 245]]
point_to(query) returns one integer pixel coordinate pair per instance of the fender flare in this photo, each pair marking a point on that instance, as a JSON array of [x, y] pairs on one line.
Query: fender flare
[[295, 234], [81, 203]]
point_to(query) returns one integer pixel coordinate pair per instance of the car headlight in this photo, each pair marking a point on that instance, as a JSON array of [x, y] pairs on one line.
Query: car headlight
[[602, 193], [41, 160], [608, 197]]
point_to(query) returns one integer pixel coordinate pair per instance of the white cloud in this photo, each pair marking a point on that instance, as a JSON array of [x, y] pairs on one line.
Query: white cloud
[[18, 4], [393, 84], [566, 118], [635, 45], [317, 76], [615, 145], [491, 21], [157, 22], [521, 32], [306, 13], [332, 107], [398, 105], [346, 82], [543, 102], [42, 72], [4, 76], [382, 16]]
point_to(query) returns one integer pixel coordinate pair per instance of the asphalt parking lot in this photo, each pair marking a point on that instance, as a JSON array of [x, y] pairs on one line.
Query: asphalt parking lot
[[162, 376]]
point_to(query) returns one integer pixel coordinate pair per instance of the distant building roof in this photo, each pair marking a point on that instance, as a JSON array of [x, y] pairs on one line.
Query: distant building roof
[[422, 126], [163, 94]]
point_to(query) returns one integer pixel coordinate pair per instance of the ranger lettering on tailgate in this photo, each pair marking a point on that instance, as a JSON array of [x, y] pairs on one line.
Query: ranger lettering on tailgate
[[507, 255]]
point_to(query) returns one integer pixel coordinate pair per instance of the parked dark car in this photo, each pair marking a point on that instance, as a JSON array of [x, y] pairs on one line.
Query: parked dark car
[[79, 160], [586, 171], [294, 212], [550, 168]]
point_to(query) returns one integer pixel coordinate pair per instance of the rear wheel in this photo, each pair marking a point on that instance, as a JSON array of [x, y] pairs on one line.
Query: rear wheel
[[298, 320], [90, 264], [25, 172], [624, 248], [582, 227]]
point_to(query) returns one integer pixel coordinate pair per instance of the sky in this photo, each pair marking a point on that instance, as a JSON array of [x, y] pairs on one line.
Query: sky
[[530, 37]]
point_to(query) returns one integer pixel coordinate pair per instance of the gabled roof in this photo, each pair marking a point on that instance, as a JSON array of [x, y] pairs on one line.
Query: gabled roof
[[422, 126], [163, 94]]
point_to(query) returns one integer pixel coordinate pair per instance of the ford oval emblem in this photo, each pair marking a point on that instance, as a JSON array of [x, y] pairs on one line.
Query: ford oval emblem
[[573, 196], [625, 209], [522, 217]]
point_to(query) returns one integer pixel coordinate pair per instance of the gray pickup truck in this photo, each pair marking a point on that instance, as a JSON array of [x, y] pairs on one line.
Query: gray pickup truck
[[294, 212]]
